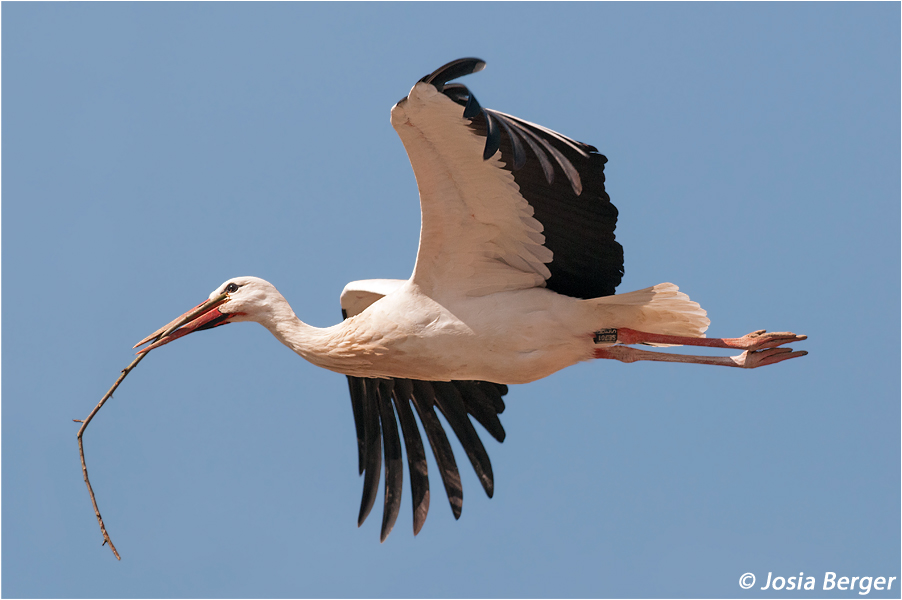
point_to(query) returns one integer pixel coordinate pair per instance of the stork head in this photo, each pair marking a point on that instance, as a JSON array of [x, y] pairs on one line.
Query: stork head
[[238, 299]]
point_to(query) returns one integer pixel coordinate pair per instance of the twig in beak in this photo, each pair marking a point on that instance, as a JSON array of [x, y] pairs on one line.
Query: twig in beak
[[154, 337], [81, 450]]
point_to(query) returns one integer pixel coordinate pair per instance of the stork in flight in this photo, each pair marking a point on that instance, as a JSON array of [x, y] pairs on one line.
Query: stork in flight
[[514, 280]]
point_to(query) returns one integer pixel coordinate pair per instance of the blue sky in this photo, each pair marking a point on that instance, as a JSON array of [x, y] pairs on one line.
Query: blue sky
[[152, 151]]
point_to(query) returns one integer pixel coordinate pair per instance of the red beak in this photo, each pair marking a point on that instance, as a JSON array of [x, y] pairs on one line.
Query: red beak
[[205, 315]]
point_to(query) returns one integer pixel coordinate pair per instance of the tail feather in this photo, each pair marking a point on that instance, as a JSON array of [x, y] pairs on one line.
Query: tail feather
[[662, 308]]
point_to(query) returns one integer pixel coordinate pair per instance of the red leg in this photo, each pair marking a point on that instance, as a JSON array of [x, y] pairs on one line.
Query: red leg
[[757, 340], [747, 360]]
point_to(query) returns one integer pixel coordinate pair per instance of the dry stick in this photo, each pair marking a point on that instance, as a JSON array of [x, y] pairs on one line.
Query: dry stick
[[84, 424], [81, 450]]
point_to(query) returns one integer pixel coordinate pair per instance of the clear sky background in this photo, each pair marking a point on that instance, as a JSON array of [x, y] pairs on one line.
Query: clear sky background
[[152, 151]]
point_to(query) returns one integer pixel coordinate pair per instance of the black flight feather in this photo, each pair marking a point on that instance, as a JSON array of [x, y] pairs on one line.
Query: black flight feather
[[373, 449], [416, 455], [380, 404], [449, 401], [394, 468], [453, 70], [423, 402]]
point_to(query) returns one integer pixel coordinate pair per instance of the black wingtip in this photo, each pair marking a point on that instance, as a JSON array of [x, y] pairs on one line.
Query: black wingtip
[[394, 471], [492, 137], [419, 513], [373, 468], [472, 108], [453, 70]]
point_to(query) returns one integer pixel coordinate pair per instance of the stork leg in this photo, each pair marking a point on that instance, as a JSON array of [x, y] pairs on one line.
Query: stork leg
[[757, 340], [747, 360]]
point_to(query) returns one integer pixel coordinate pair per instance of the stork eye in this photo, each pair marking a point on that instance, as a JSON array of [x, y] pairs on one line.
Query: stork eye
[[232, 287]]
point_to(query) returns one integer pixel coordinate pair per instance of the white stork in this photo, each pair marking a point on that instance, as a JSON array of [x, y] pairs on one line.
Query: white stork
[[514, 280]]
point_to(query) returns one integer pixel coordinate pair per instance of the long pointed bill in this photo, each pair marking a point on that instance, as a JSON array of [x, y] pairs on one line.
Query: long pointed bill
[[204, 316]]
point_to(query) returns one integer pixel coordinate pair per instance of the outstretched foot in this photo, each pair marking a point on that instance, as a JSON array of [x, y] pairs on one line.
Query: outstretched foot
[[760, 340], [771, 356]]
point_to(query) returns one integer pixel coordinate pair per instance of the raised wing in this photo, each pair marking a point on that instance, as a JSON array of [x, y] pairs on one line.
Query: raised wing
[[506, 204], [380, 404]]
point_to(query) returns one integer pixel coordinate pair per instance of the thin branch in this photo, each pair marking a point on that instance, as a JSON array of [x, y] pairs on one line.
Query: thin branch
[[160, 334], [81, 449]]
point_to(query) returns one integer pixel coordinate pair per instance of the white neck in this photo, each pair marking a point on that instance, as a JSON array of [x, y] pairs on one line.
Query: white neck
[[324, 347]]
